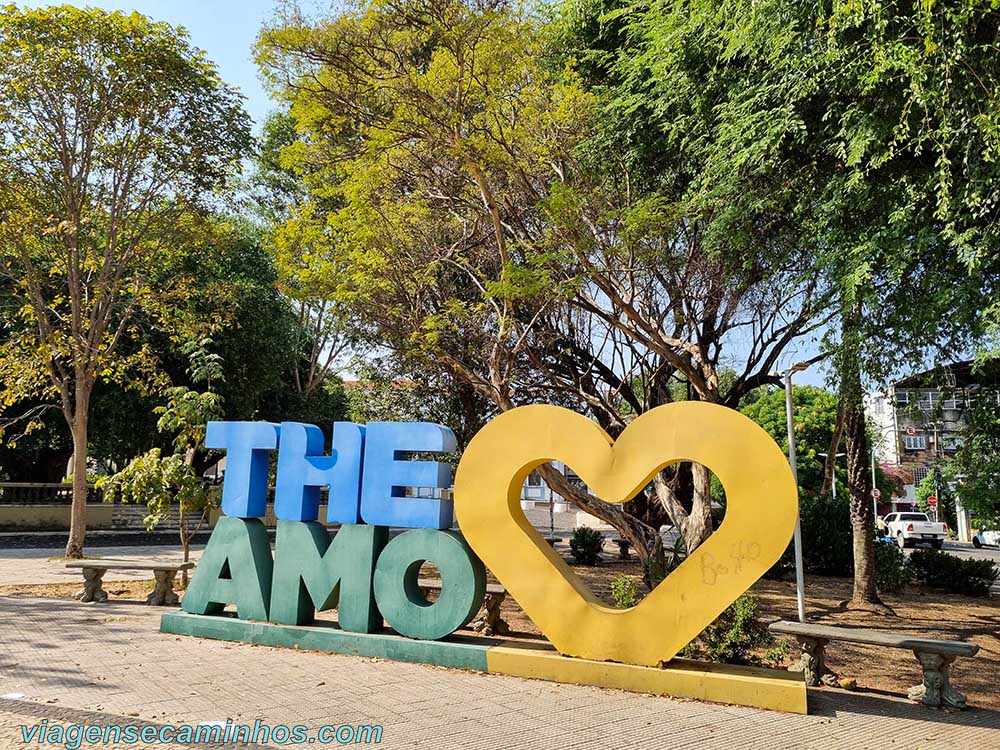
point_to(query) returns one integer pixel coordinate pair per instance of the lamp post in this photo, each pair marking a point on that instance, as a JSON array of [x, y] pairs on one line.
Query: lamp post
[[834, 483], [800, 584]]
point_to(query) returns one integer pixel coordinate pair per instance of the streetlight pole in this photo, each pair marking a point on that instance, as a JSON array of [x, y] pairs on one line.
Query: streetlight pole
[[800, 583]]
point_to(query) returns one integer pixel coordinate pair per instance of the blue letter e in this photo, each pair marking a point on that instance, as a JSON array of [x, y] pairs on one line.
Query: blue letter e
[[387, 475]]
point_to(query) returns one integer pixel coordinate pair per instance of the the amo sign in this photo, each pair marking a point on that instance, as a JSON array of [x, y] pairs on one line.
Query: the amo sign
[[371, 579]]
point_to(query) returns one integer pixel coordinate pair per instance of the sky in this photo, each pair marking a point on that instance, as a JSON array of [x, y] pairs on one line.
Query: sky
[[227, 30]]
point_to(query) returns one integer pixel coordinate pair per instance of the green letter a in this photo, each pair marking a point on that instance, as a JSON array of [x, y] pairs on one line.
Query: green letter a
[[235, 568]]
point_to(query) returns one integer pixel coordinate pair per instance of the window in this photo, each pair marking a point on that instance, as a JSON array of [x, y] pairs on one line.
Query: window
[[915, 442], [912, 516], [534, 479], [902, 398], [953, 404], [951, 443], [919, 474], [927, 400]]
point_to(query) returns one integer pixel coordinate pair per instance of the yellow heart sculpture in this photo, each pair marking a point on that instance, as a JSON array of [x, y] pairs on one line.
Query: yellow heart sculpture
[[761, 508]]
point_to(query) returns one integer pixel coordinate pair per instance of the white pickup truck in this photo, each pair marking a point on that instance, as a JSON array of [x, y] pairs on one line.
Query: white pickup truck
[[909, 529]]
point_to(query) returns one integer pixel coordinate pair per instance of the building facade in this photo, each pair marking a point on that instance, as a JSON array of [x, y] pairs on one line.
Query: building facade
[[917, 422]]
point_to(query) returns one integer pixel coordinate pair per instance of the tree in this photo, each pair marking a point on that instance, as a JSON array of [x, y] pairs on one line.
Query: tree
[[386, 391], [111, 127], [161, 480], [935, 484], [466, 222], [814, 420], [975, 468], [299, 245], [874, 120]]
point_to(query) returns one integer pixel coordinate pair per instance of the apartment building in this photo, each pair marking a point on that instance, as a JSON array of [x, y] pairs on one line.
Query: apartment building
[[917, 421]]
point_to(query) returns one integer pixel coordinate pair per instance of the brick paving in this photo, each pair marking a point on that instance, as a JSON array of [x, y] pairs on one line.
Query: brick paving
[[73, 663]]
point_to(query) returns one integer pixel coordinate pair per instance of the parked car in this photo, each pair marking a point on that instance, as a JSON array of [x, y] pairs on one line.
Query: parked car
[[908, 529], [984, 538]]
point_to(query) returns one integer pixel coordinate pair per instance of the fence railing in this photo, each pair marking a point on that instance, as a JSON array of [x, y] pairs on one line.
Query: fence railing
[[29, 493]]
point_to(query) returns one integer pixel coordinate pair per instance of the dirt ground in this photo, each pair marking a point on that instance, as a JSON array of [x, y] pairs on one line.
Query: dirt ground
[[919, 611]]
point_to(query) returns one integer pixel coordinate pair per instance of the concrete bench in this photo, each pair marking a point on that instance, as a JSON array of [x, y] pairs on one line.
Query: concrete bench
[[623, 548], [94, 570], [934, 656], [488, 621]]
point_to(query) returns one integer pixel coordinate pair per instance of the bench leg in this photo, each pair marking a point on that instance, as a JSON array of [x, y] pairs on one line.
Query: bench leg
[[490, 621], [163, 594], [92, 591], [813, 663], [935, 690]]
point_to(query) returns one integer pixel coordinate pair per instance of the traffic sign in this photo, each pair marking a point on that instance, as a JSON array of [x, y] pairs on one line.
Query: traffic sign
[[911, 430], [932, 500], [876, 493]]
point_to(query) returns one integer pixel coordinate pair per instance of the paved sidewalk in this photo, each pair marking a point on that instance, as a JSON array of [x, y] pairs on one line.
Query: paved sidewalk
[[42, 566], [82, 663]]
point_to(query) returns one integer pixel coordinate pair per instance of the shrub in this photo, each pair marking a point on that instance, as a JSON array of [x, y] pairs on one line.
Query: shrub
[[736, 634], [654, 571], [827, 542], [586, 545], [624, 591], [892, 570], [943, 571]]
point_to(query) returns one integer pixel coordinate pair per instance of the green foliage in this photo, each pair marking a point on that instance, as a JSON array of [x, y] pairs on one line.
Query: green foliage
[[586, 544], [945, 510], [892, 568], [736, 634], [388, 391], [976, 464], [827, 546], [654, 571], [625, 591], [953, 574], [159, 482], [140, 127], [814, 419], [188, 411]]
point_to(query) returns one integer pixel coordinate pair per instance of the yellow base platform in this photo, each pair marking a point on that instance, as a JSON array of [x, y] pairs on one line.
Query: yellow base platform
[[681, 678]]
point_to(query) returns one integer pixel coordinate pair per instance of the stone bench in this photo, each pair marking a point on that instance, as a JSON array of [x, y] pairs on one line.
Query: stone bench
[[934, 656], [623, 548], [94, 570], [489, 621]]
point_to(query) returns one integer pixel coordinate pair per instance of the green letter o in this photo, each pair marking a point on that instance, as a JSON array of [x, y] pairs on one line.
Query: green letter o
[[463, 583]]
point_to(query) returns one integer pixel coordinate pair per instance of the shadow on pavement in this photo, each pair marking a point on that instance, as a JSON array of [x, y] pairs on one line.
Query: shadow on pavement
[[831, 702]]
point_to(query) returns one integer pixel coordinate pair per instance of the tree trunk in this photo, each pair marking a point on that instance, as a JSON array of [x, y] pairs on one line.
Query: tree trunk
[[695, 526], [865, 595], [78, 512], [185, 538], [642, 536], [830, 464]]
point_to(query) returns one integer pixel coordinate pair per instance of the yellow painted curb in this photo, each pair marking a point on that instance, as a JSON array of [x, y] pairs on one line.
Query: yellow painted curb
[[682, 678]]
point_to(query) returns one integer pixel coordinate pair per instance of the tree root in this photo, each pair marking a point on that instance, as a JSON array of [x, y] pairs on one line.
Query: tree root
[[866, 606]]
